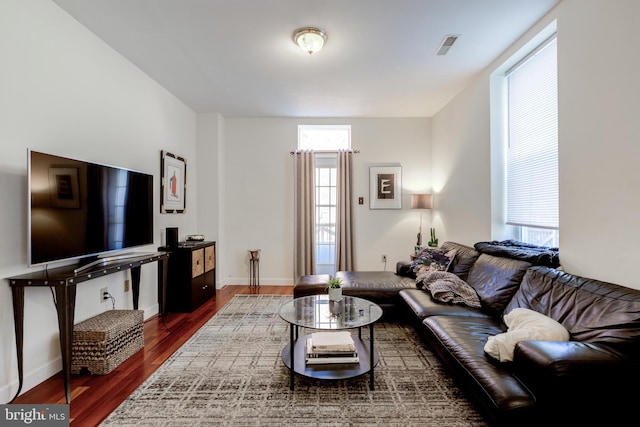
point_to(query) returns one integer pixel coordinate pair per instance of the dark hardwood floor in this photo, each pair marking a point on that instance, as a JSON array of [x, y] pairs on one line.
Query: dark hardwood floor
[[93, 397]]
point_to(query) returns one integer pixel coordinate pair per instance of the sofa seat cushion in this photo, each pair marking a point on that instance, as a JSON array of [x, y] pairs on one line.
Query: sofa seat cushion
[[381, 287], [422, 304], [312, 284], [459, 341]]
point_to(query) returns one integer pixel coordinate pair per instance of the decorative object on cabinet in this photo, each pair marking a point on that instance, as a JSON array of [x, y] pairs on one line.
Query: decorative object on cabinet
[[191, 276], [385, 187], [420, 201], [173, 183], [172, 237]]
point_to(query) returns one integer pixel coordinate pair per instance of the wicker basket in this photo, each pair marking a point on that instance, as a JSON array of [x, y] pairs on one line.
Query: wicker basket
[[104, 341]]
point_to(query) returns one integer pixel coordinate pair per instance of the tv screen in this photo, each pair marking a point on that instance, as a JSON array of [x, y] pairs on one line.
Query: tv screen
[[81, 209]]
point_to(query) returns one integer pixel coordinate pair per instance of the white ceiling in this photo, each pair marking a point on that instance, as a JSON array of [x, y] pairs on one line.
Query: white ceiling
[[237, 57]]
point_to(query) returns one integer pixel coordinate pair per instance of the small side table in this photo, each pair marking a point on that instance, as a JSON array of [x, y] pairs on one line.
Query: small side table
[[254, 268]]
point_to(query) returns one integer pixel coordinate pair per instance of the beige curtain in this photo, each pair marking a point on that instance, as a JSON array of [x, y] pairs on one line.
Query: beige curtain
[[344, 229], [304, 256]]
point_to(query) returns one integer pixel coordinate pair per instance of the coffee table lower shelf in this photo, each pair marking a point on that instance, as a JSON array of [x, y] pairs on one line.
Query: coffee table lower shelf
[[331, 371]]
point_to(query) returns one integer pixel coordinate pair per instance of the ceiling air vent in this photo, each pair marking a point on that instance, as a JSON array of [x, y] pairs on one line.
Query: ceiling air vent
[[446, 44]]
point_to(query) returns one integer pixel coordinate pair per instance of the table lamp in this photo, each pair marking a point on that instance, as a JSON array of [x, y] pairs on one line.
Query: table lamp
[[420, 201]]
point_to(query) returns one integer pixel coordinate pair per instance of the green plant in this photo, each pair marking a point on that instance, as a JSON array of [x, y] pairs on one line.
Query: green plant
[[434, 240], [334, 282]]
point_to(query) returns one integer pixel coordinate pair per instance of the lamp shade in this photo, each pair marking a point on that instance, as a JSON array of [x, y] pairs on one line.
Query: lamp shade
[[421, 201], [310, 39]]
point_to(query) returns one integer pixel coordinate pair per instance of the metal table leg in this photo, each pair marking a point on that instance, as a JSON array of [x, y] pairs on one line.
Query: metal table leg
[[291, 352], [371, 383]]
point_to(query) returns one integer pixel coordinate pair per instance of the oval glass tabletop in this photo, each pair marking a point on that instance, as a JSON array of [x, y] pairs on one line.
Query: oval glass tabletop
[[318, 312]]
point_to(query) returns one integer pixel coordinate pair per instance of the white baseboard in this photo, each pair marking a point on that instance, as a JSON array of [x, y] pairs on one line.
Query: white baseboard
[[31, 379], [270, 281]]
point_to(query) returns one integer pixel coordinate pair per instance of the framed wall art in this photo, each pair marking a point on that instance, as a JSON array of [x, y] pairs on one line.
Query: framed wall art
[[385, 187], [173, 183]]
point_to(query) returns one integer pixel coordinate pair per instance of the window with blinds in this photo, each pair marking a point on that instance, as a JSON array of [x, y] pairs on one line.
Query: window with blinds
[[532, 150]]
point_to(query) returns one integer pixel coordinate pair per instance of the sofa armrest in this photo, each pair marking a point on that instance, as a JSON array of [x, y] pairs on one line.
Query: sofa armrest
[[404, 269], [579, 379], [572, 358]]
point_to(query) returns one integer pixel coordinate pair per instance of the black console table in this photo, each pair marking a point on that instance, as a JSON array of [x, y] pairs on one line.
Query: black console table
[[64, 280]]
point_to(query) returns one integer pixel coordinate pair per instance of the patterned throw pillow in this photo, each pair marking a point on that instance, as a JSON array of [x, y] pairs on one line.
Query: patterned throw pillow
[[431, 259]]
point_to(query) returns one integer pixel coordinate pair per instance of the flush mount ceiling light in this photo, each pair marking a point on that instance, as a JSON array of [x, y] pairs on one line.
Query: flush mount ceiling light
[[310, 39]]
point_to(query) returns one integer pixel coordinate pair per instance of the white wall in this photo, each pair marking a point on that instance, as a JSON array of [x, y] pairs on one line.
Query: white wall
[[63, 91], [598, 143], [600, 138], [461, 167], [258, 203]]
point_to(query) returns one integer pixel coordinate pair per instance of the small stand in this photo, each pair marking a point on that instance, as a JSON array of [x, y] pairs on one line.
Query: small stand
[[254, 268]]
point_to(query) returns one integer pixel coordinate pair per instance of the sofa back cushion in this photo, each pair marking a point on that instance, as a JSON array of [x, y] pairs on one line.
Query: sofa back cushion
[[591, 310], [464, 259], [496, 280]]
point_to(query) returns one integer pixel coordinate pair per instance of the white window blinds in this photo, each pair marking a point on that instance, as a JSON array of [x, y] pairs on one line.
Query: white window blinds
[[532, 153]]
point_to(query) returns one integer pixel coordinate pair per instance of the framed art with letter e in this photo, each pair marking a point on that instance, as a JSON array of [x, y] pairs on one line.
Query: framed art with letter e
[[173, 183], [385, 187]]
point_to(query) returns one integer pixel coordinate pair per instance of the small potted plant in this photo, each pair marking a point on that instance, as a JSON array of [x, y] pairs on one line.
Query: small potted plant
[[433, 243], [335, 288]]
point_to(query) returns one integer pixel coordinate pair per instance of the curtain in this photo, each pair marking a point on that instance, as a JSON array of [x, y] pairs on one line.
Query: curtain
[[344, 229], [304, 254]]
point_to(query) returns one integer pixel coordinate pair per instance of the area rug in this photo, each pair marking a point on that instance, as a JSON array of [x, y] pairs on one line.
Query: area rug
[[230, 373]]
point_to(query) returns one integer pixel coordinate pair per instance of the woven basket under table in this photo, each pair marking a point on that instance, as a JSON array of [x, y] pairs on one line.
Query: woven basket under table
[[104, 341]]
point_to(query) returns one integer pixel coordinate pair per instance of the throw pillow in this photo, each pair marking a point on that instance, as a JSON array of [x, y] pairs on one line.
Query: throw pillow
[[431, 259], [523, 324]]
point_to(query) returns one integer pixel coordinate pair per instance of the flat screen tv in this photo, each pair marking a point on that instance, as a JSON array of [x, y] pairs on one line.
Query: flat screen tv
[[84, 210]]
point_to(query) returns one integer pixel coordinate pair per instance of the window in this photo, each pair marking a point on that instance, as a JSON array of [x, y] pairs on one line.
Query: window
[[324, 137], [325, 221], [326, 141], [532, 146]]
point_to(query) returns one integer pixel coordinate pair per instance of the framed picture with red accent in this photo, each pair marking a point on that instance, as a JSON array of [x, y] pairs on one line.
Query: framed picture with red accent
[[173, 183]]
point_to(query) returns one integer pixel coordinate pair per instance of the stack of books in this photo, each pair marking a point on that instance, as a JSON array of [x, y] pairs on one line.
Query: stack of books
[[331, 347]]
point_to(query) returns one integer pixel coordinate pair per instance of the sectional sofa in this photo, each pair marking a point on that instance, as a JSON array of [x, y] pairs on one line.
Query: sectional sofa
[[515, 374]]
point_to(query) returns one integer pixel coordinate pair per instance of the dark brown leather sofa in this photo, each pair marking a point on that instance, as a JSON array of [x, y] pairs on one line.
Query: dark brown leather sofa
[[589, 380], [584, 381]]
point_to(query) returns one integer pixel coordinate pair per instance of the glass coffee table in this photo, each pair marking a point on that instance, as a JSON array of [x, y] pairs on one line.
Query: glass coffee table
[[318, 312]]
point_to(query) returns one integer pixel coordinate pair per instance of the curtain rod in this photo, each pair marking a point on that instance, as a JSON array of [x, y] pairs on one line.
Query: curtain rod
[[324, 151]]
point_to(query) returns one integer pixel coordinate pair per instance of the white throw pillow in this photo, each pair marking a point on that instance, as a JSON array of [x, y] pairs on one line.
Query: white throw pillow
[[523, 324]]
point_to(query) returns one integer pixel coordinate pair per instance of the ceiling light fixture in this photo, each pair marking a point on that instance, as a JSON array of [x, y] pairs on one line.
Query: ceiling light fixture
[[310, 39]]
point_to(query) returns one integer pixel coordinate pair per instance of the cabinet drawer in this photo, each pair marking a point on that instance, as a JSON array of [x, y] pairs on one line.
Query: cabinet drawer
[[209, 258], [197, 262]]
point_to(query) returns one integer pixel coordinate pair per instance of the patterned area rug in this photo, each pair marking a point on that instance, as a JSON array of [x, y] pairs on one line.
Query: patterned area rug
[[230, 373]]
